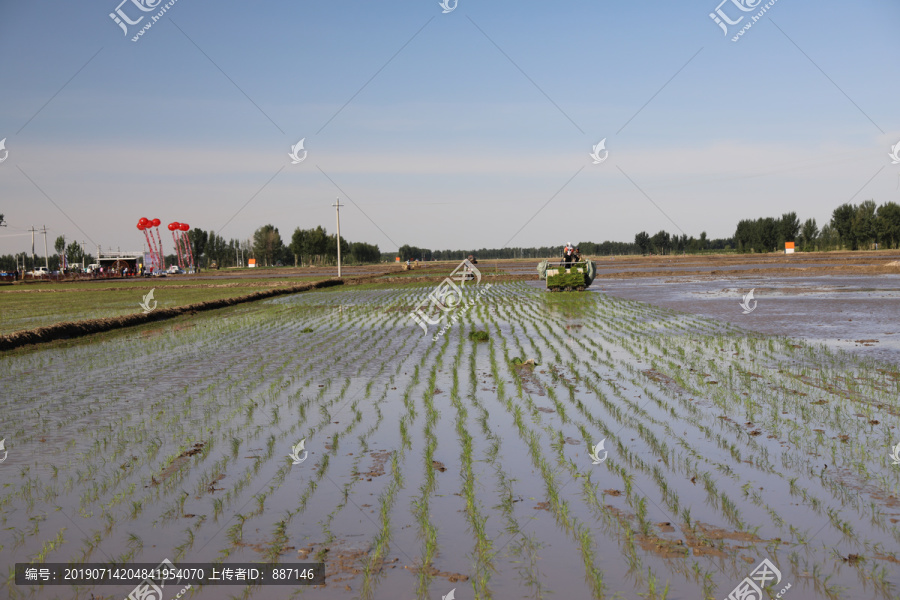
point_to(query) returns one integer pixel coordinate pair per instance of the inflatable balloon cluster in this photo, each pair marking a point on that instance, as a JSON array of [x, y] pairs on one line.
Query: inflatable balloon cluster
[[179, 236], [182, 244], [149, 226]]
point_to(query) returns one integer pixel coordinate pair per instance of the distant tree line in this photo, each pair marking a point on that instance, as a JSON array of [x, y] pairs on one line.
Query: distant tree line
[[306, 247], [661, 243], [665, 243], [851, 227], [860, 227]]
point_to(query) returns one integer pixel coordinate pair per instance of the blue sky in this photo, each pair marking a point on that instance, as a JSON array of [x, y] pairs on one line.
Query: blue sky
[[442, 130]]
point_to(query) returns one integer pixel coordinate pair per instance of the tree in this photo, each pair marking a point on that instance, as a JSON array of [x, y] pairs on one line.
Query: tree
[[888, 224], [74, 253], [842, 222], [789, 227], [298, 245], [408, 252], [829, 238], [331, 249], [864, 231], [702, 240], [317, 243], [267, 244], [60, 244], [642, 241], [364, 253], [744, 234], [197, 238], [809, 233], [767, 234], [661, 242], [217, 249]]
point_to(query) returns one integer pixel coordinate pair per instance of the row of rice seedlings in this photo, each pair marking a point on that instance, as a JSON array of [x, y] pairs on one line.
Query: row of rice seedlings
[[640, 503], [382, 540], [559, 507], [421, 504]]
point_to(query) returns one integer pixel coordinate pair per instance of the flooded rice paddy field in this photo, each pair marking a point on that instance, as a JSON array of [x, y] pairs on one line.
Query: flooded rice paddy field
[[444, 464], [854, 313]]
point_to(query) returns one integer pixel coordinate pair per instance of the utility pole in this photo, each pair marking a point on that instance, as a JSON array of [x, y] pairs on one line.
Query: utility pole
[[32, 247], [337, 212], [46, 255]]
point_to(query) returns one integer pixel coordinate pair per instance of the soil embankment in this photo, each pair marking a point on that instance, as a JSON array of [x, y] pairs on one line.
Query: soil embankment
[[72, 329]]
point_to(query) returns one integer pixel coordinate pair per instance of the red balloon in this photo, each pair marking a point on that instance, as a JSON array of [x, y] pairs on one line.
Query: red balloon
[[171, 226], [155, 222], [143, 221], [140, 226], [185, 227]]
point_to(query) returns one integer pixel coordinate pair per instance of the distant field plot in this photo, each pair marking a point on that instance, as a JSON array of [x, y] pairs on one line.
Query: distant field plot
[[39, 305], [439, 463]]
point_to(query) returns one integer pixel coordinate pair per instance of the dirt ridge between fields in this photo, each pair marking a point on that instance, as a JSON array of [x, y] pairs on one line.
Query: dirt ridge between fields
[[73, 329]]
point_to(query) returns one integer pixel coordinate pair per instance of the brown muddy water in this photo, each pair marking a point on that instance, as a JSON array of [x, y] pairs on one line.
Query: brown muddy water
[[438, 464]]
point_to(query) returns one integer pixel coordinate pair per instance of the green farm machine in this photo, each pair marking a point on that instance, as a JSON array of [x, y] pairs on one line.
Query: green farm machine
[[567, 277]]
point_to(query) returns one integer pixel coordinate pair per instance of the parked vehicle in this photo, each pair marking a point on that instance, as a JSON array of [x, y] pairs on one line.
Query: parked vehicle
[[92, 267], [174, 270], [40, 271]]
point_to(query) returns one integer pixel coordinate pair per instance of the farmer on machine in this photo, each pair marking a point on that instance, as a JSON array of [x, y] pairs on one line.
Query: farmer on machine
[[568, 254]]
